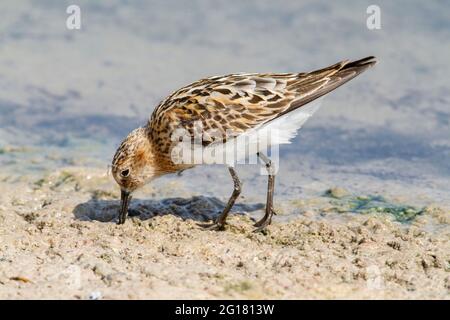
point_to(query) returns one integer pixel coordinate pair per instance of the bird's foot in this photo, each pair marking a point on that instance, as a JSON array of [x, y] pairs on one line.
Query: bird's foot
[[262, 226], [217, 225], [265, 221]]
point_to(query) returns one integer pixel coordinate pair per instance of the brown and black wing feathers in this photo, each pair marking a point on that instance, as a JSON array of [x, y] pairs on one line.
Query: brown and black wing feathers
[[235, 103], [343, 72]]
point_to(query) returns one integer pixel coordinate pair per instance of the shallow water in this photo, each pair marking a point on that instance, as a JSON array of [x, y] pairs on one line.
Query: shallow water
[[69, 97]]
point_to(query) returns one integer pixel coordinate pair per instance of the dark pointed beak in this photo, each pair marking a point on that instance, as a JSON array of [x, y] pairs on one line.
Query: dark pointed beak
[[125, 197]]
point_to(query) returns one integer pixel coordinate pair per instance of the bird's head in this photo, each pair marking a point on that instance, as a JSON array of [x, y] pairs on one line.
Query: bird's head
[[132, 166]]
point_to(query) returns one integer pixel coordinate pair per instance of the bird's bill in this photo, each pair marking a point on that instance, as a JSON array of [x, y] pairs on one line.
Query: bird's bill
[[125, 198]]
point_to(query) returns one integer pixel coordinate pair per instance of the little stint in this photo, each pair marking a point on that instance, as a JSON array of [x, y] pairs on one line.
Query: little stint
[[231, 106]]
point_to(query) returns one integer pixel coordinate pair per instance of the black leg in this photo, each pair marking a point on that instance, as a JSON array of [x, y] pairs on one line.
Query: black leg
[[219, 224], [267, 219]]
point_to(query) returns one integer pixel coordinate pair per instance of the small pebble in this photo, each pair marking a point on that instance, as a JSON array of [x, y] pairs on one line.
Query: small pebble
[[95, 295], [337, 192]]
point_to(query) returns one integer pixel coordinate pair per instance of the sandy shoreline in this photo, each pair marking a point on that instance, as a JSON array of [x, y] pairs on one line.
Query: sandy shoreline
[[59, 240]]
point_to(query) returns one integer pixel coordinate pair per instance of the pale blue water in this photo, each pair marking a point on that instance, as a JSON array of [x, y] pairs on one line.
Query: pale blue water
[[70, 96]]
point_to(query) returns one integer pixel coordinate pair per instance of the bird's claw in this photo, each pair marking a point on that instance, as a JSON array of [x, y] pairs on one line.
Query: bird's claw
[[214, 226], [262, 226], [265, 221]]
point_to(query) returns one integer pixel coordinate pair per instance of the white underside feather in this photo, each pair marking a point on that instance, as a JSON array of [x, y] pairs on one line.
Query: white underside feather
[[259, 139]]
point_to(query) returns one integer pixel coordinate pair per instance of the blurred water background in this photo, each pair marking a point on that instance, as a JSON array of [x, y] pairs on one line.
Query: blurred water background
[[68, 97]]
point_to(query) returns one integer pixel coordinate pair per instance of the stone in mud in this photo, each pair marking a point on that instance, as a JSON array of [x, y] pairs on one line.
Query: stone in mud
[[337, 192]]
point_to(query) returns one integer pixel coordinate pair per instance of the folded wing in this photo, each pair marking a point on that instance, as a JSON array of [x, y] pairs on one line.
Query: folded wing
[[228, 106]]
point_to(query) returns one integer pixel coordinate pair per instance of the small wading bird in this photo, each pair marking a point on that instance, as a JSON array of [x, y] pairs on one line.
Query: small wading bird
[[233, 105]]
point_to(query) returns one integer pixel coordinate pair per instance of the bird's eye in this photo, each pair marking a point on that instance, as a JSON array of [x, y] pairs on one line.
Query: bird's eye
[[125, 173]]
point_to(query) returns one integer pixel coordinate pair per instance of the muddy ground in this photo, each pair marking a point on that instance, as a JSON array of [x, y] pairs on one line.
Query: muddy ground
[[59, 240]]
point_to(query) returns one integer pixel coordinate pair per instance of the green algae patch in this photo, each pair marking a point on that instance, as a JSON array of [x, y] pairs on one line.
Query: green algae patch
[[374, 205], [40, 183], [64, 177], [238, 287], [99, 194], [12, 149]]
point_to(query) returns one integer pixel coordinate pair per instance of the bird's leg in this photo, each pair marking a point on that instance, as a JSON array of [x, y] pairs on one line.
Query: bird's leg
[[220, 221], [267, 219], [180, 173]]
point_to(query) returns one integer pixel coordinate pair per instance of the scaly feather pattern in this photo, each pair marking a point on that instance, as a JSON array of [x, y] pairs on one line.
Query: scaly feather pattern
[[235, 103]]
